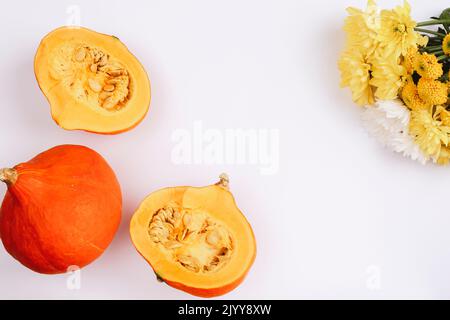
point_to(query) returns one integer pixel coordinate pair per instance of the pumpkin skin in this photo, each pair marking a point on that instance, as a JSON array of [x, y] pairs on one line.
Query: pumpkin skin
[[61, 209], [214, 202], [74, 78]]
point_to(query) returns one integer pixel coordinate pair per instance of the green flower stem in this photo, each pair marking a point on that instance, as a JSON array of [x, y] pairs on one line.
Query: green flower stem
[[434, 50], [441, 35], [443, 57], [433, 22], [436, 53], [433, 47]]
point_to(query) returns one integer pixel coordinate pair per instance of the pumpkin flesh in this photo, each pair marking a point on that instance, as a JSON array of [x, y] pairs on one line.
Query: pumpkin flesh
[[91, 81]]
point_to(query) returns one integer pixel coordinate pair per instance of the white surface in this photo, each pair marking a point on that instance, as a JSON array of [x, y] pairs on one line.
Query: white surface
[[340, 211]]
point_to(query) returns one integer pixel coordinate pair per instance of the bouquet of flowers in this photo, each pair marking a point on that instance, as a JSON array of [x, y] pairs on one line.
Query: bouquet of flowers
[[398, 71]]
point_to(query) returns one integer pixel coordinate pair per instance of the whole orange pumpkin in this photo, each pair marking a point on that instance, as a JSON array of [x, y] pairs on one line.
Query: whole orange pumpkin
[[61, 209]]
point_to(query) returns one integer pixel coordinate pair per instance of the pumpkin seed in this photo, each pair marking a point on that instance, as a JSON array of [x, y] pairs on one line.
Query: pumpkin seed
[[173, 245], [187, 219], [109, 103], [80, 55], [109, 87], [94, 85], [213, 238], [189, 262], [183, 235], [115, 73], [103, 95]]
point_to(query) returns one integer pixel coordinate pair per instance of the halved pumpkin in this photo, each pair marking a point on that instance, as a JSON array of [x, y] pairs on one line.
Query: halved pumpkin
[[91, 81], [195, 239]]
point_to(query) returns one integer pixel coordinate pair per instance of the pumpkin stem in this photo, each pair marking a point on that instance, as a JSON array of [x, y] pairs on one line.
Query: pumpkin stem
[[9, 176], [224, 181]]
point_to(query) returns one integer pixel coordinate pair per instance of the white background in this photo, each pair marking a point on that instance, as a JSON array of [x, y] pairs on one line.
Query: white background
[[340, 215]]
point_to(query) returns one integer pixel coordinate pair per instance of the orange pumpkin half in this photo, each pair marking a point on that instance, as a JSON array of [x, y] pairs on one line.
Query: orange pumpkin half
[[61, 209], [91, 81], [195, 239]]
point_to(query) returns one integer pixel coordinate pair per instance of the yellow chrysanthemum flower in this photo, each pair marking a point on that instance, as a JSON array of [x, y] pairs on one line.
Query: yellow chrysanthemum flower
[[410, 59], [411, 98], [428, 66], [432, 91], [446, 44], [444, 156], [388, 75], [396, 32], [428, 132], [362, 27], [422, 41], [355, 74], [445, 116]]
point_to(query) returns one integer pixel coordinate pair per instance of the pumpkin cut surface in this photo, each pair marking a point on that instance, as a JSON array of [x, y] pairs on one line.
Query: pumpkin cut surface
[[195, 239], [92, 81]]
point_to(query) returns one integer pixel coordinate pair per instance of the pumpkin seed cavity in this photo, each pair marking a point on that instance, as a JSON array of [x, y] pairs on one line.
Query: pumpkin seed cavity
[[91, 75], [196, 241]]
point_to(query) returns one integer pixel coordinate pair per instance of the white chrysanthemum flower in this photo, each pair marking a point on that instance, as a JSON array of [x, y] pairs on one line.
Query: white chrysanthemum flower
[[388, 121]]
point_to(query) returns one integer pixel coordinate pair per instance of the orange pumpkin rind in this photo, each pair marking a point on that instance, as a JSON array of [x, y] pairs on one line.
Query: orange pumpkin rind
[[61, 209]]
